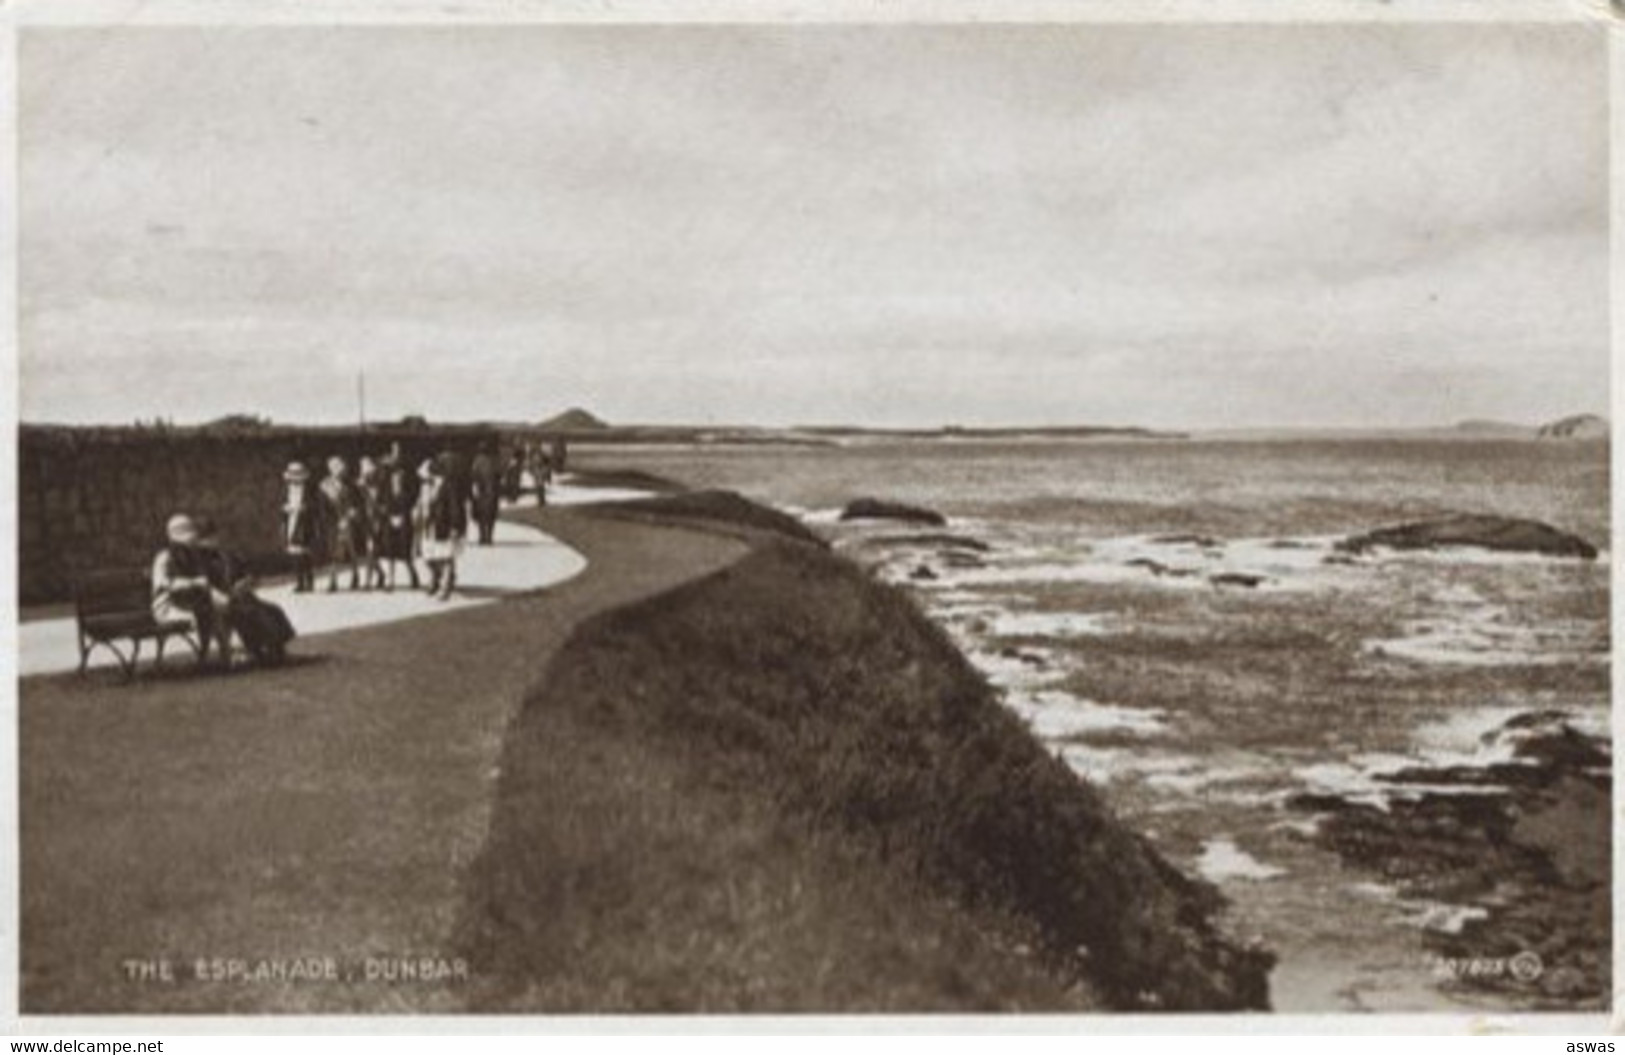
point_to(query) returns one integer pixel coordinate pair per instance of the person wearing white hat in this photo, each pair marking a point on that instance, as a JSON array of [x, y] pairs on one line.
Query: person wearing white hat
[[301, 525], [181, 590]]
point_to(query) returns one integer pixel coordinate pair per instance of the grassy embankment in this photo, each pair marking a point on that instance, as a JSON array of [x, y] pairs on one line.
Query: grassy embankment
[[780, 787]]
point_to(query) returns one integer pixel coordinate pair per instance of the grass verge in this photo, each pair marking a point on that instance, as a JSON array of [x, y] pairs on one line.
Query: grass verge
[[781, 788]]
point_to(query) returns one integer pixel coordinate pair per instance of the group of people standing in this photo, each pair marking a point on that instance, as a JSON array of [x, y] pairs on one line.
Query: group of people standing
[[385, 516], [389, 515]]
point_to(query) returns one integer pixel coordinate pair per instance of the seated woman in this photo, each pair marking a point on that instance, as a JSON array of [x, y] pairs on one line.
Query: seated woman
[[182, 588]]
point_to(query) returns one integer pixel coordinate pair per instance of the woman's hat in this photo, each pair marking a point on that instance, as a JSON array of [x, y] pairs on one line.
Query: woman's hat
[[181, 529], [428, 470], [297, 473]]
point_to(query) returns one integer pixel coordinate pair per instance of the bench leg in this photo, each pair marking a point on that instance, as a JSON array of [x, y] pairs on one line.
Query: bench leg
[[158, 660], [135, 657], [126, 664]]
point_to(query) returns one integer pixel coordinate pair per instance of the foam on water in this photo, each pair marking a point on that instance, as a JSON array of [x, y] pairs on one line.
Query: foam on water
[[1004, 623], [826, 517], [1056, 715], [1100, 765], [1290, 565], [1474, 738], [1438, 915], [1478, 736], [1222, 859], [1210, 780], [1367, 780], [1107, 765], [1024, 670]]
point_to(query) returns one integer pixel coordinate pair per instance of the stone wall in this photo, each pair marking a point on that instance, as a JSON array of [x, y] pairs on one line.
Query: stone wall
[[90, 499]]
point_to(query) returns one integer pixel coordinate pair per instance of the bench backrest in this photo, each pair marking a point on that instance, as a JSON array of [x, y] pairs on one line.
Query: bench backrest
[[264, 563], [112, 592]]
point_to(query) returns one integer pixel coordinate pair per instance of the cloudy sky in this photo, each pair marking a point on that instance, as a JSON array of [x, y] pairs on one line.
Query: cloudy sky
[[1176, 226]]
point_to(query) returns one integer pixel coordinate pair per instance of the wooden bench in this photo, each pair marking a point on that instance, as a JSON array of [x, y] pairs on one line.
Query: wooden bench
[[114, 606]]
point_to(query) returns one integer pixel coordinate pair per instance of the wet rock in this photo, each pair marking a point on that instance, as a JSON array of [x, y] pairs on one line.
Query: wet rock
[[1159, 569], [1246, 580], [1503, 534], [1032, 659], [1531, 720], [936, 540], [1495, 779], [876, 509], [922, 573], [1289, 543], [1342, 559], [1565, 749], [956, 559], [1319, 802]]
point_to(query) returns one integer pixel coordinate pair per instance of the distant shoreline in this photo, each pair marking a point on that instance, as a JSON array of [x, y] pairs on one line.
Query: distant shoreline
[[625, 436]]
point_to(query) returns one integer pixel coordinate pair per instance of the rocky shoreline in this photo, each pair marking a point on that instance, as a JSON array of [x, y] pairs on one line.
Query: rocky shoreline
[[1514, 856], [1498, 857]]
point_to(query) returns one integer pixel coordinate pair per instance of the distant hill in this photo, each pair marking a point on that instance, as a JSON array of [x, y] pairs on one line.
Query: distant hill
[[574, 420], [1576, 427], [1482, 427]]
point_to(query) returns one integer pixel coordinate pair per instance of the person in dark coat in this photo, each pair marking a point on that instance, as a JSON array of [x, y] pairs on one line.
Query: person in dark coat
[[395, 531], [455, 471], [513, 474], [372, 486], [484, 494], [541, 472]]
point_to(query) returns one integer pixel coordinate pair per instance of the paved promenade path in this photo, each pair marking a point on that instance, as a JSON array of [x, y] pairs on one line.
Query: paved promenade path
[[521, 559], [318, 816]]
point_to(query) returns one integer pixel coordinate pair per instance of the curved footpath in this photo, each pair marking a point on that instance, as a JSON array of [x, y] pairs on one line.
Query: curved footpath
[[325, 809], [521, 559]]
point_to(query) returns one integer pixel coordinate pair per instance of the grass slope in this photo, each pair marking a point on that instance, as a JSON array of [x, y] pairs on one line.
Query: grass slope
[[781, 788]]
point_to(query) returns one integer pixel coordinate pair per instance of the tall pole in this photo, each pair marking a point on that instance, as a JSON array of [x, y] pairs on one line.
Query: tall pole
[[361, 396]]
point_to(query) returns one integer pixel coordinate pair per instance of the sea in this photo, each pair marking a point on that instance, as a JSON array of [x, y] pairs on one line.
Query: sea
[[1175, 620]]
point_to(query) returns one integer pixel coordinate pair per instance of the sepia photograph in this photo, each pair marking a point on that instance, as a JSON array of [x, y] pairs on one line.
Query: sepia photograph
[[703, 517]]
